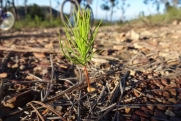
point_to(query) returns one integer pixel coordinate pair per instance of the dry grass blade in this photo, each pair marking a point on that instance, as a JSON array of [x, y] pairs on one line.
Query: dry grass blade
[[49, 108], [50, 84], [79, 108], [124, 107], [90, 107], [101, 94], [122, 83], [72, 103], [37, 112], [1, 88], [107, 109], [4, 60], [165, 105], [35, 77], [114, 94]]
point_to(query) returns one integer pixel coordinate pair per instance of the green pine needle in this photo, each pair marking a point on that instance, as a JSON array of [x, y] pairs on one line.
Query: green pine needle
[[78, 47]]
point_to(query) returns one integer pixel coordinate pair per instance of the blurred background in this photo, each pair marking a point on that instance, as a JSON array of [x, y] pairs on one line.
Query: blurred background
[[45, 13]]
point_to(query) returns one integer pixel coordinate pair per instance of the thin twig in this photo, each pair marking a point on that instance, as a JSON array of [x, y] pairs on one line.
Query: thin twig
[[50, 84], [36, 111], [35, 77], [1, 88], [108, 109], [50, 108], [79, 108]]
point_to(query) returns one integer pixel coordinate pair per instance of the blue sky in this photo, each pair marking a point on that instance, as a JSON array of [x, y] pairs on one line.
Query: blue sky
[[136, 6]]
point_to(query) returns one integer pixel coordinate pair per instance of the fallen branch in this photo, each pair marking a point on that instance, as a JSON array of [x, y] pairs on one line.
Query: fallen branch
[[29, 49]]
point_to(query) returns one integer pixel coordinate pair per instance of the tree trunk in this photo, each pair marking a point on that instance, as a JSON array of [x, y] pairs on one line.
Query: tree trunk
[[50, 7], [96, 7], [111, 13], [25, 7], [15, 10], [175, 3]]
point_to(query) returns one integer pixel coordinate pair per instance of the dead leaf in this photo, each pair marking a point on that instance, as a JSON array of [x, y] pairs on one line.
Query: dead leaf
[[127, 110], [3, 75], [39, 55]]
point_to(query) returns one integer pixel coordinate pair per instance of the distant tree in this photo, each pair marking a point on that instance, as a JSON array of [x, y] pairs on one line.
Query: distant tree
[[105, 7], [123, 8], [173, 3], [154, 3], [113, 4], [141, 14], [50, 7], [167, 6], [15, 11], [25, 7], [58, 5], [35, 11]]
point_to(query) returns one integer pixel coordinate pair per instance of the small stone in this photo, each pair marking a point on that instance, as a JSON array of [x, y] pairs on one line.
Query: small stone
[[169, 113]]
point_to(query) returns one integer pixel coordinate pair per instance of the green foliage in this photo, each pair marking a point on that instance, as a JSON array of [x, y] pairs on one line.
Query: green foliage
[[78, 47], [35, 10], [37, 23], [157, 19], [168, 16], [37, 20]]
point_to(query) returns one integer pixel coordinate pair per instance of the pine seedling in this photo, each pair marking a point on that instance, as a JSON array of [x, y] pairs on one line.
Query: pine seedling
[[78, 47]]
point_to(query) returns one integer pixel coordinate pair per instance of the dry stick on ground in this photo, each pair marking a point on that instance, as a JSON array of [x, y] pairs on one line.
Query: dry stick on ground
[[83, 85], [50, 84], [30, 49], [37, 112], [69, 90], [1, 88]]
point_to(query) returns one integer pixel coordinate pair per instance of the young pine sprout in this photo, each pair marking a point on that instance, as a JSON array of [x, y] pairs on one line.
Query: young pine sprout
[[79, 43]]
